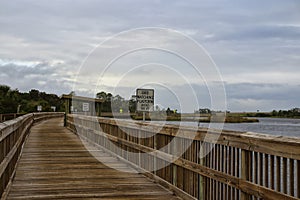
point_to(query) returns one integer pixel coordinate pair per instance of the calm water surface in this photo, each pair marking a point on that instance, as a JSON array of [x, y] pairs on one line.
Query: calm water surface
[[272, 126]]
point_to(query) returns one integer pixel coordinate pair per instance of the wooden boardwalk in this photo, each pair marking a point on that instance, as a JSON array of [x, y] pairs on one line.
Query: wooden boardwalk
[[56, 165]]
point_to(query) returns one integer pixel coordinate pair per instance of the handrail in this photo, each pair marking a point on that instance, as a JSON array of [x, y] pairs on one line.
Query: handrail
[[240, 166], [12, 136], [9, 116]]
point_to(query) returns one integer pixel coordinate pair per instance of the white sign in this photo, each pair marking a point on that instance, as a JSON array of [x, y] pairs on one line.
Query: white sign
[[145, 100], [85, 107], [39, 108], [53, 108]]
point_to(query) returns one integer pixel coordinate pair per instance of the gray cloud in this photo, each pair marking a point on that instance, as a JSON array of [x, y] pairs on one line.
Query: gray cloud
[[41, 76], [262, 96], [263, 91], [247, 39]]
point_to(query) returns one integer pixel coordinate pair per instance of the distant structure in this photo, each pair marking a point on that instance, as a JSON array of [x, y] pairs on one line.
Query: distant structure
[[82, 105]]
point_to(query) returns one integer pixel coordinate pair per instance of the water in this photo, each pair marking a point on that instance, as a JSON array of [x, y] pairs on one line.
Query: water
[[272, 126]]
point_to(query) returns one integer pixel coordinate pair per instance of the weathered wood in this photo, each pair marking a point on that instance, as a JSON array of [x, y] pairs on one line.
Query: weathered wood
[[215, 175], [284, 175], [278, 174], [251, 183], [298, 178], [292, 176], [56, 165], [272, 172], [245, 171], [12, 136], [273, 145], [266, 170], [261, 168]]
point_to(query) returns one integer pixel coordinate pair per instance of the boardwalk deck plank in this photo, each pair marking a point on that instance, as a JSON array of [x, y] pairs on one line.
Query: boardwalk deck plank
[[56, 165]]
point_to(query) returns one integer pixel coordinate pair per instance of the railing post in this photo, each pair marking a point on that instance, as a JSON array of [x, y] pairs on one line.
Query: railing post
[[201, 178], [65, 119], [298, 178], [245, 170], [155, 159], [175, 175], [140, 143], [174, 149]]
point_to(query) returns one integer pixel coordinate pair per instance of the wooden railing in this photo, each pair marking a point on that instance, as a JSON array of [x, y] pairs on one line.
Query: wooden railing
[[12, 136], [9, 116], [238, 166]]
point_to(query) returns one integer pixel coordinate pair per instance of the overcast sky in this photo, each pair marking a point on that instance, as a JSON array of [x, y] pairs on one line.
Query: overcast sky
[[254, 44]]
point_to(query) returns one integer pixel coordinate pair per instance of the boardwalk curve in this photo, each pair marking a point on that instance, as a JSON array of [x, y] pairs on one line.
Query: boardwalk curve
[[56, 165]]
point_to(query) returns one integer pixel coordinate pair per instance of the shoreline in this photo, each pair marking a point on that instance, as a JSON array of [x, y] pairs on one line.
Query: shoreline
[[201, 120]]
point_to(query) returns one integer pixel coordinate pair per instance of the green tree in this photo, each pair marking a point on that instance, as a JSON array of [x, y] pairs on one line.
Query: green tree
[[10, 100]]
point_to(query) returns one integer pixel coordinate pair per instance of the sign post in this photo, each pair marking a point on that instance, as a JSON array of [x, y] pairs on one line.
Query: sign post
[[145, 101]]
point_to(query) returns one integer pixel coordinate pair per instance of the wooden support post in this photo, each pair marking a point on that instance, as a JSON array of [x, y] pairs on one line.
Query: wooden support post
[[140, 143], [201, 178], [272, 172], [174, 151], [278, 174], [261, 168], [298, 178], [154, 157], [67, 110], [245, 170], [98, 106], [266, 170], [291, 175], [174, 175], [284, 175]]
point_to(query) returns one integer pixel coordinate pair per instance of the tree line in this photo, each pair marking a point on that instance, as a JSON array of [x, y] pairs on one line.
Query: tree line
[[116, 103], [291, 113], [14, 101]]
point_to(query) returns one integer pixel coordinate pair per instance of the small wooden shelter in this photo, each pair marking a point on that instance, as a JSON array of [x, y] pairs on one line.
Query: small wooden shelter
[[82, 105]]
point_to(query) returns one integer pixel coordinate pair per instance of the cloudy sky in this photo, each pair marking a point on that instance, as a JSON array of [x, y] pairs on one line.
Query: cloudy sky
[[254, 44]]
